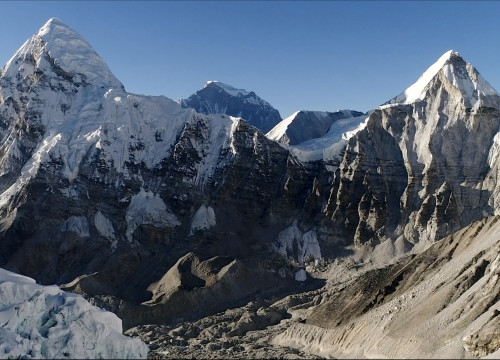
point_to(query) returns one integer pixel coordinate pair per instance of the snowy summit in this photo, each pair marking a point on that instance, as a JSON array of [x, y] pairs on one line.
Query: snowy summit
[[58, 46], [460, 73], [227, 88]]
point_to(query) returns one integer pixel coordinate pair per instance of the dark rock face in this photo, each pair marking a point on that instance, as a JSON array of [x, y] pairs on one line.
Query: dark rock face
[[213, 99]]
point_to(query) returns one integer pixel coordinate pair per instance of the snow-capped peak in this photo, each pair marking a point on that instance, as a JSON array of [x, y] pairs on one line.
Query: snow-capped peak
[[56, 45], [227, 88], [460, 73], [51, 24]]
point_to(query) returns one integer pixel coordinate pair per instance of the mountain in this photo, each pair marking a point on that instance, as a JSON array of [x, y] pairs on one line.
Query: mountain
[[462, 75], [414, 190], [106, 191], [170, 217], [43, 322], [306, 125], [424, 165], [220, 98]]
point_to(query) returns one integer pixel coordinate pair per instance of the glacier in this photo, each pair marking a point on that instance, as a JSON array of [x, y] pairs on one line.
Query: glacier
[[44, 322]]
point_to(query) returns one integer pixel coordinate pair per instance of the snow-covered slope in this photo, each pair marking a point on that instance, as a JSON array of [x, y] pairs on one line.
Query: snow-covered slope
[[81, 107], [233, 91], [318, 135], [219, 98], [59, 47], [45, 322], [330, 146], [306, 125]]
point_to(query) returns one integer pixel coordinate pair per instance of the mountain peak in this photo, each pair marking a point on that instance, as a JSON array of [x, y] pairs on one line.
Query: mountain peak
[[53, 23], [55, 30], [227, 88], [219, 98], [459, 72], [58, 45]]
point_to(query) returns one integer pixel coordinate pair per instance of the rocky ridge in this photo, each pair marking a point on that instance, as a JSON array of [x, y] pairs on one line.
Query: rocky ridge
[[441, 303]]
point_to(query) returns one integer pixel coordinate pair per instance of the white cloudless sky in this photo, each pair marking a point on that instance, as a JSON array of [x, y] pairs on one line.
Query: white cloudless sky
[[297, 55]]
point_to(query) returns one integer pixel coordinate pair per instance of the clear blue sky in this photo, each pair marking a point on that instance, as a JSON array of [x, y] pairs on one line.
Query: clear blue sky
[[312, 55]]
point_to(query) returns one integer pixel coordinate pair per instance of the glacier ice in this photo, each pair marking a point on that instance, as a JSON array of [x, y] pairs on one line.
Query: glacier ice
[[45, 322]]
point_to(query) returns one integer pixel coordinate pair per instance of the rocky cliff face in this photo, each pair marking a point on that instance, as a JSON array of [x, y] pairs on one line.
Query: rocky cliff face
[[220, 98], [419, 170]]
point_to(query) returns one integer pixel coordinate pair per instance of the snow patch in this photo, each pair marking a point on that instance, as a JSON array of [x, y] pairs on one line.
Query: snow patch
[[147, 208], [30, 169], [240, 93], [78, 225], [306, 244], [216, 137], [228, 88], [301, 275], [203, 219], [46, 322], [104, 225], [494, 152], [280, 129]]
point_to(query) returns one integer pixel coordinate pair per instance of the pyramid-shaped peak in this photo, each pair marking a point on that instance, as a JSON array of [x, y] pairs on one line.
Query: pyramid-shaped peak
[[57, 44], [53, 22], [449, 54], [459, 72], [55, 30]]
